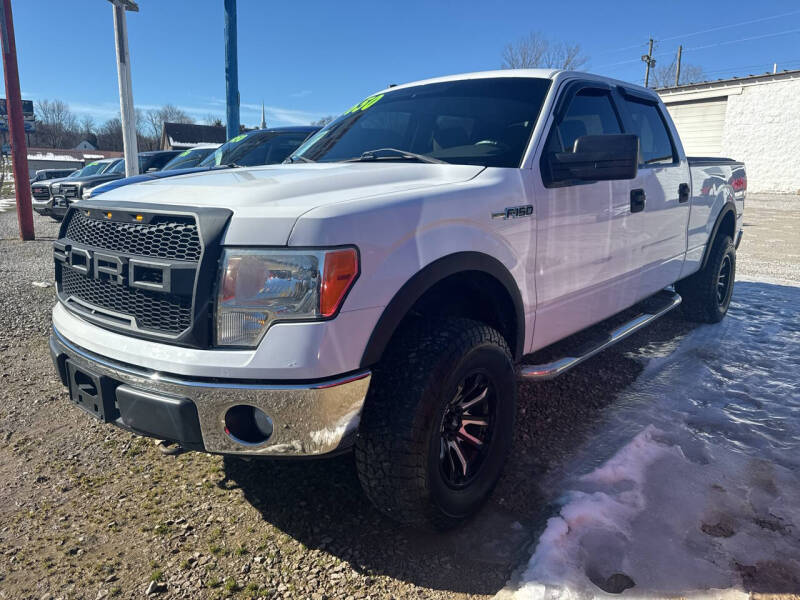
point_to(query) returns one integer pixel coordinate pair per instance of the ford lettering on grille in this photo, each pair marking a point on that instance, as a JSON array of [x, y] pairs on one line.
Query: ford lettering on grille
[[134, 271], [139, 273]]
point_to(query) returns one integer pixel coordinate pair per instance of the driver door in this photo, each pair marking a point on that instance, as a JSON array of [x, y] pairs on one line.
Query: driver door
[[585, 230]]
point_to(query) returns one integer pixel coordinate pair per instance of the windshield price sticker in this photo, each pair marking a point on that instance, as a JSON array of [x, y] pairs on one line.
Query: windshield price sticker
[[184, 153], [238, 138], [364, 105]]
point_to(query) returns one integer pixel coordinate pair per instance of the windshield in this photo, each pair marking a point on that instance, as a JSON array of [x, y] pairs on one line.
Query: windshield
[[117, 168], [93, 168], [484, 122], [188, 158], [256, 148]]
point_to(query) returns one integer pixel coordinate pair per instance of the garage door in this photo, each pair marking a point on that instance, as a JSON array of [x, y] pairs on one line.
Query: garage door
[[700, 125]]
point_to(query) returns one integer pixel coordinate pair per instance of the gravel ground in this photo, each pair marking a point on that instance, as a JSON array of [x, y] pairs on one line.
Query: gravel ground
[[89, 511]]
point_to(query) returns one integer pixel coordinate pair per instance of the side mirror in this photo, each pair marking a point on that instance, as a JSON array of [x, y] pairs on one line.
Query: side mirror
[[598, 158]]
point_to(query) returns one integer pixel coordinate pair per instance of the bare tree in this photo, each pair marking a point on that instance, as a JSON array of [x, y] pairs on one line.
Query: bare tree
[[155, 118], [86, 125], [535, 50], [323, 121], [57, 126], [664, 76], [109, 135], [212, 119]]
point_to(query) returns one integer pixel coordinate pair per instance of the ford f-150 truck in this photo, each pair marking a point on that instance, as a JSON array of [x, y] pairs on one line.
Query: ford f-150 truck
[[387, 287]]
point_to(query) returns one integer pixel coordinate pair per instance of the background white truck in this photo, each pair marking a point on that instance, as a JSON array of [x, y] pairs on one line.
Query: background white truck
[[384, 289]]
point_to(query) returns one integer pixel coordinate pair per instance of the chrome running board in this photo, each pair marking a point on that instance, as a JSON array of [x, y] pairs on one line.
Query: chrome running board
[[659, 305]]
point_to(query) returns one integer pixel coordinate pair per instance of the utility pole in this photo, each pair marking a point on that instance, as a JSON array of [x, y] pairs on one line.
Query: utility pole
[[16, 124], [127, 113], [650, 62], [678, 67], [231, 70]]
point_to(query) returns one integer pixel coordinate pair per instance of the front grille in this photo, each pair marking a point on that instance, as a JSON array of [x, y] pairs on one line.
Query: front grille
[[41, 193], [144, 270], [164, 313], [171, 240], [171, 237], [69, 191]]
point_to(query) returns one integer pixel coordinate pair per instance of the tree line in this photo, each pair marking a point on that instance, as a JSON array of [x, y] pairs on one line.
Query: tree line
[[537, 51], [58, 127]]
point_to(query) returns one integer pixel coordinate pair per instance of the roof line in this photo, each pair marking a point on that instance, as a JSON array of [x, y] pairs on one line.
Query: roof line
[[751, 77]]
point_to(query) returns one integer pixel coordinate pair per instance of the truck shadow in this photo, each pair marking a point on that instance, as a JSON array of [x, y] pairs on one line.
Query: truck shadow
[[327, 510]]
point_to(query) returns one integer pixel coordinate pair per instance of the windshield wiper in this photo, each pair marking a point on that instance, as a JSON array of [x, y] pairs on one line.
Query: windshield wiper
[[291, 159], [371, 155]]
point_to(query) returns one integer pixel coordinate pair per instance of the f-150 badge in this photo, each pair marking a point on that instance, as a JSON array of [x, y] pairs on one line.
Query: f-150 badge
[[514, 212]]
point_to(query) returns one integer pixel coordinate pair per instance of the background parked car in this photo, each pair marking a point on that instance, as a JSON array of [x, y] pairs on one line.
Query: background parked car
[[42, 192], [191, 157], [45, 174], [75, 189], [261, 147]]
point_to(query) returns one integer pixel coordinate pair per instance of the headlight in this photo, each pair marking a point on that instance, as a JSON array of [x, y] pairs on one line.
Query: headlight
[[260, 287]]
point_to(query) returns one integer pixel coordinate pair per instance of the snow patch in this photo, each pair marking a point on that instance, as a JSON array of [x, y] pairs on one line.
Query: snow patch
[[691, 485]]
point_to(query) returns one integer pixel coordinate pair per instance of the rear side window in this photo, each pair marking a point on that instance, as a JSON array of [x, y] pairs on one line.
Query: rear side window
[[590, 112], [655, 145]]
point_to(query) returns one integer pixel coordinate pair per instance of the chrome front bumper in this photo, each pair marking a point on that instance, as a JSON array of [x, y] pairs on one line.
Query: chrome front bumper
[[308, 419]]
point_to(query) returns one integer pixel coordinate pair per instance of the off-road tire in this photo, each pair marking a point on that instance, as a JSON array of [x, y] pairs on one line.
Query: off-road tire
[[699, 291], [397, 449]]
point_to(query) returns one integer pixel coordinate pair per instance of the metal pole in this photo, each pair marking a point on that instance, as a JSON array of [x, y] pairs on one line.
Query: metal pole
[[231, 69], [678, 67], [125, 92], [16, 123], [648, 61]]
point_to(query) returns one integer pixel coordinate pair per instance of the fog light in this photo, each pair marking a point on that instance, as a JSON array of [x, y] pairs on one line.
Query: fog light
[[247, 425]]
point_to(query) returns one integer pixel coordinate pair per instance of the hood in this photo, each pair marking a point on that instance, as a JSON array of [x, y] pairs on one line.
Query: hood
[[112, 185], [47, 182], [267, 201], [91, 180]]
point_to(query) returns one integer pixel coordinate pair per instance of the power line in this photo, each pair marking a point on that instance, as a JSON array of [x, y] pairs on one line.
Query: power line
[[747, 39], [720, 28], [710, 30], [696, 48]]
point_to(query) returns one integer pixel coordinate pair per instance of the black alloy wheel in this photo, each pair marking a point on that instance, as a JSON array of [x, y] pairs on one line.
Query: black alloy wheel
[[465, 433]]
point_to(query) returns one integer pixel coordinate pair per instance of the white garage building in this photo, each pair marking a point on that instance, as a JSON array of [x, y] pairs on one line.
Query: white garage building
[[755, 119]]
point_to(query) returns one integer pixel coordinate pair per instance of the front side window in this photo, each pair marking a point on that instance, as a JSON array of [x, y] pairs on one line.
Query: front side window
[[590, 112], [655, 145], [485, 122]]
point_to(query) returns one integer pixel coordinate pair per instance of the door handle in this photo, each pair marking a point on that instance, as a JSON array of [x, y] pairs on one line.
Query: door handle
[[637, 200], [683, 193]]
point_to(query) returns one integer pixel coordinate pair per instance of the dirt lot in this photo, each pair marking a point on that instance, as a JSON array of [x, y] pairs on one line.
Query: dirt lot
[[88, 511]]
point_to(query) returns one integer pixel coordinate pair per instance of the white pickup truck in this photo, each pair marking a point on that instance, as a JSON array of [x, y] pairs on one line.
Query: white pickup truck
[[385, 289]]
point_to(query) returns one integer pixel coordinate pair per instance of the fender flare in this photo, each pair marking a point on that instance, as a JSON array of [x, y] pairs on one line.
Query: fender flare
[[728, 207], [430, 275]]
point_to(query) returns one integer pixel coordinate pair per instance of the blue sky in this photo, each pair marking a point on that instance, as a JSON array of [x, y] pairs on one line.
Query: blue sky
[[313, 58]]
